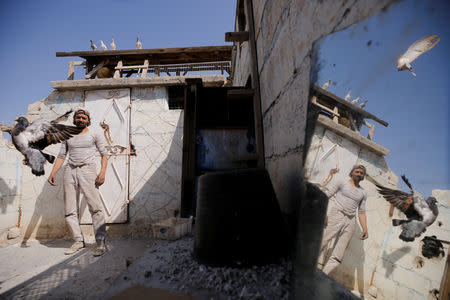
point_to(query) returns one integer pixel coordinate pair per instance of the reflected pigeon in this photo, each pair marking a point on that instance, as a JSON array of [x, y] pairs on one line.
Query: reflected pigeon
[[421, 213], [363, 104], [93, 46], [103, 46], [326, 85], [415, 50], [31, 138], [138, 44], [354, 101], [347, 97], [112, 46]]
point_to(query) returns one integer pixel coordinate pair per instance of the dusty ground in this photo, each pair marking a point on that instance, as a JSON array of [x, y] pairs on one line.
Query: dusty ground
[[40, 270], [140, 269]]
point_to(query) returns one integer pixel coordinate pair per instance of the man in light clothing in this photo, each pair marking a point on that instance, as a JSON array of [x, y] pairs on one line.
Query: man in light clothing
[[80, 175], [340, 221]]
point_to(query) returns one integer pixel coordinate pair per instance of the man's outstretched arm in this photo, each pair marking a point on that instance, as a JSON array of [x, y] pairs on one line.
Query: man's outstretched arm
[[56, 166]]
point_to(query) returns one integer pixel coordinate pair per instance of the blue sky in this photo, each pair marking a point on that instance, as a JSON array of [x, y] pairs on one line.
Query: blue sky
[[416, 108], [363, 58]]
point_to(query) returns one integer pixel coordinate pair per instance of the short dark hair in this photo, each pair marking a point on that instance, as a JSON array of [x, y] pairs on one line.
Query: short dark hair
[[358, 167], [82, 111]]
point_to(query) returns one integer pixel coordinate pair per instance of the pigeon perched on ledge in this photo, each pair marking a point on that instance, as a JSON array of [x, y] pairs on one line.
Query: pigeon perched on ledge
[[420, 213], [31, 138]]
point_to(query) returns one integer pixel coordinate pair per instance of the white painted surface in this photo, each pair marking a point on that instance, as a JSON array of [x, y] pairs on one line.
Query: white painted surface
[[111, 107]]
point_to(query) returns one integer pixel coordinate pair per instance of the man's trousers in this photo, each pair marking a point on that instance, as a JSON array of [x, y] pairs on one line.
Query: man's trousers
[[341, 227], [82, 179]]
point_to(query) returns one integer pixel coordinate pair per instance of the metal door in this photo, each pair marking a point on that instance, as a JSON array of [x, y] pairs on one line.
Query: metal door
[[334, 154], [110, 114]]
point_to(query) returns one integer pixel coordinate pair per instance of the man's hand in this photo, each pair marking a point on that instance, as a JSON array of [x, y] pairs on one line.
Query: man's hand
[[100, 179], [364, 235], [52, 180]]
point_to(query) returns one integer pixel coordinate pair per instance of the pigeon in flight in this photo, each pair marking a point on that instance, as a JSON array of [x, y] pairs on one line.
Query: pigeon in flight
[[93, 46], [420, 212], [112, 46], [415, 50], [138, 44], [103, 46], [31, 138]]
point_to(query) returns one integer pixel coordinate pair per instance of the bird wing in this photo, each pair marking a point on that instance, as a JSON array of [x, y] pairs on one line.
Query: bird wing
[[5, 128], [398, 198], [420, 47], [62, 117], [42, 131]]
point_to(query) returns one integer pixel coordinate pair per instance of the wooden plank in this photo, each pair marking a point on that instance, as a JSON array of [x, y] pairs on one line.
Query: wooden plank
[[255, 84], [235, 94], [239, 36], [223, 50], [145, 68], [97, 67], [118, 68], [191, 94], [70, 73]]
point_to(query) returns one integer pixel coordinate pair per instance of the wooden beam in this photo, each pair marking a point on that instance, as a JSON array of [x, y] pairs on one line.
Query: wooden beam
[[239, 36], [248, 6], [118, 69], [145, 68], [72, 64], [179, 50], [95, 70]]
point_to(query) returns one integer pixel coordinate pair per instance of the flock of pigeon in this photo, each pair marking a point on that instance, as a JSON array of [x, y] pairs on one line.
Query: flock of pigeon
[[112, 45], [32, 138]]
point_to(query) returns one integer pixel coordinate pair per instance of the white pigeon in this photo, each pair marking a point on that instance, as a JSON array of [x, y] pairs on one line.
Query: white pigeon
[[415, 50], [420, 212], [138, 44], [363, 104], [112, 46], [347, 97], [354, 101], [103, 46], [326, 85], [93, 46]]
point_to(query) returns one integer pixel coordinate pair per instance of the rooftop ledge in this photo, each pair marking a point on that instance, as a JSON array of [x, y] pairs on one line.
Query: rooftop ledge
[[352, 135], [106, 83]]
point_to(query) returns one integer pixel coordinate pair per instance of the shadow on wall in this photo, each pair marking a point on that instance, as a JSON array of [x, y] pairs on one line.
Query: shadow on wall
[[7, 195], [354, 264], [157, 196], [48, 213], [389, 260]]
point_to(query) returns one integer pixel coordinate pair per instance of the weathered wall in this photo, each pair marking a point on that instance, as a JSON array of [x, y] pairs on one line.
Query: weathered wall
[[285, 32], [155, 172], [383, 265]]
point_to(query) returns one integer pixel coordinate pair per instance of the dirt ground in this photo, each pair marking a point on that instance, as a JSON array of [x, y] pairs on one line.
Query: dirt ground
[[140, 269], [40, 270]]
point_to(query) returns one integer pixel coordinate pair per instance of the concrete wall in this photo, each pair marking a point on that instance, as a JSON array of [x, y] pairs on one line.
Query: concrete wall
[[285, 32], [155, 175]]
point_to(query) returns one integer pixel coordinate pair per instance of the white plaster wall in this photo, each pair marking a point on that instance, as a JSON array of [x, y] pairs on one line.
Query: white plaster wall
[[285, 32], [155, 177]]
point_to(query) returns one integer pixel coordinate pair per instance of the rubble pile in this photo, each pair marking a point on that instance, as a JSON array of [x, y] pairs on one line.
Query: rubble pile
[[256, 282]]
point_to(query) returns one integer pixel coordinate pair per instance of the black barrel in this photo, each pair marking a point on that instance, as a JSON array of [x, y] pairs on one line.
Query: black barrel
[[238, 219]]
